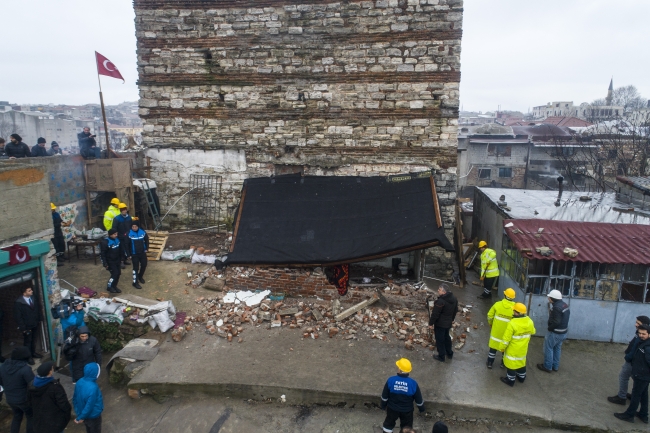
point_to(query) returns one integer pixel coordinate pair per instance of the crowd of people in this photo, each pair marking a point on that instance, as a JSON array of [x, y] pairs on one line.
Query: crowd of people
[[16, 148], [40, 399]]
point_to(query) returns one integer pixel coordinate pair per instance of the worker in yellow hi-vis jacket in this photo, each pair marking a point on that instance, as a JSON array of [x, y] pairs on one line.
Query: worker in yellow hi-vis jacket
[[489, 269], [111, 213], [515, 345], [498, 318]]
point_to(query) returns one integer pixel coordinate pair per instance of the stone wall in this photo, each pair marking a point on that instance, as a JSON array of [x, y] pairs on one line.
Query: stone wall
[[256, 88], [25, 210]]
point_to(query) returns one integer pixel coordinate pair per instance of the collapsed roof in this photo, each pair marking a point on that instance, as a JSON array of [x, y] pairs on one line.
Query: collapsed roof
[[327, 220]]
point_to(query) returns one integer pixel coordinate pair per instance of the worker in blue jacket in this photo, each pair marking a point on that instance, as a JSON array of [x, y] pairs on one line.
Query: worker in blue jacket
[[137, 247], [87, 400], [398, 396], [76, 317]]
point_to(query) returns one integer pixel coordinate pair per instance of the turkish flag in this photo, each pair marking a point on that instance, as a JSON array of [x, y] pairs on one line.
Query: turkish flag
[[106, 67], [18, 254]]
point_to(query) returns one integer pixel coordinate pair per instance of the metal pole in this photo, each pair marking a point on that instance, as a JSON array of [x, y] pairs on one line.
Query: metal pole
[[101, 100]]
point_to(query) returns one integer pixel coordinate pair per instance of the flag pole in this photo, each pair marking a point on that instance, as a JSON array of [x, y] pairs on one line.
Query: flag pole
[[101, 99]]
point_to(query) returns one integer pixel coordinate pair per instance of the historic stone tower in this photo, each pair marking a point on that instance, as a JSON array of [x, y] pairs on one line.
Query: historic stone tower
[[246, 88]]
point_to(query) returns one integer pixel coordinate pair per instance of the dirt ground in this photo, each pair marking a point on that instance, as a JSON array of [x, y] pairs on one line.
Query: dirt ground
[[209, 241]]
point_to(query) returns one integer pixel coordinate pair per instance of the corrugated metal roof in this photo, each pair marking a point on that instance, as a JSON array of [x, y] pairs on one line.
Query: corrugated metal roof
[[642, 183], [528, 203], [595, 242]]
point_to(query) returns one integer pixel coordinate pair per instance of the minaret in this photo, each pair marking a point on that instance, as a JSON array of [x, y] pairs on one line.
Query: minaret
[[610, 93]]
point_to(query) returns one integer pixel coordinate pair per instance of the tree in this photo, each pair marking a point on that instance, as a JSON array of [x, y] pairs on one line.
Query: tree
[[628, 97], [604, 151]]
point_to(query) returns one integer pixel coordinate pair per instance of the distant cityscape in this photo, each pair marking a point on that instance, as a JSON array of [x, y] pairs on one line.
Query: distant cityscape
[[62, 123]]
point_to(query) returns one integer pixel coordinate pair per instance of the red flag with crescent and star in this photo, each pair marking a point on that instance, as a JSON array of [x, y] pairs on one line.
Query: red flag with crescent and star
[[106, 67], [18, 254]]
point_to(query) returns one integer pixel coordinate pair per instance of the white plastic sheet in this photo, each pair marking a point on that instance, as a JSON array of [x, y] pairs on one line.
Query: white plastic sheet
[[249, 298]]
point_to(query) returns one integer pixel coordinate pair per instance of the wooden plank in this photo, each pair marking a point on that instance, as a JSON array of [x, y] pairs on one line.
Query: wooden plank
[[241, 210], [436, 206], [360, 306]]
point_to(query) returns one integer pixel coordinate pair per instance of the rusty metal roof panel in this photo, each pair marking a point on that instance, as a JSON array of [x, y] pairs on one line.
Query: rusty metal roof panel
[[595, 242]]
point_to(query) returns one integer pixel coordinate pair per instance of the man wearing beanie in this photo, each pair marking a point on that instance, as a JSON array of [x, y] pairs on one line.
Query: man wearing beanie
[[440, 427], [88, 351], [15, 377], [49, 402], [137, 250], [54, 149], [16, 148], [397, 399], [626, 370], [39, 149], [111, 252]]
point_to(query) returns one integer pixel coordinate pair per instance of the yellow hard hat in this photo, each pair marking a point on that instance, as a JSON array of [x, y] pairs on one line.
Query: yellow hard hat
[[404, 365], [115, 201], [482, 244], [509, 293], [52, 206], [520, 308], [121, 206]]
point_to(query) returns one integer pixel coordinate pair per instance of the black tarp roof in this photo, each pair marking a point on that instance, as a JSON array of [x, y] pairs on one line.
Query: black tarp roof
[[322, 220]]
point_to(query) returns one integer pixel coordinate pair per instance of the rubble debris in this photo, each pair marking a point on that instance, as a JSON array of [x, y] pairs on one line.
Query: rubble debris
[[571, 252], [179, 333], [544, 251], [214, 283]]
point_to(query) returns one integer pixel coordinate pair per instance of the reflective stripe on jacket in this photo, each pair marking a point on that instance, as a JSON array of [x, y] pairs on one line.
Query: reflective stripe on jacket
[[111, 213], [515, 342], [499, 316], [489, 265]]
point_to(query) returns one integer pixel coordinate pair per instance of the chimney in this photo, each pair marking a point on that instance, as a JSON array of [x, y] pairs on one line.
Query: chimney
[[560, 179]]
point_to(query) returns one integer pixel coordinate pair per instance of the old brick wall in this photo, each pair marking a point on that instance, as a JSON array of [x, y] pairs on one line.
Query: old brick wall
[[243, 88], [311, 283]]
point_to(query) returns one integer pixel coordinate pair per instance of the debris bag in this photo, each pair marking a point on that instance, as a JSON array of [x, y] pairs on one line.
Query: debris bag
[[204, 258], [163, 321], [176, 255]]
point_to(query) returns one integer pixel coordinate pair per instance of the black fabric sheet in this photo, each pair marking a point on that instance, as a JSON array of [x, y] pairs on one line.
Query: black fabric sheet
[[331, 219]]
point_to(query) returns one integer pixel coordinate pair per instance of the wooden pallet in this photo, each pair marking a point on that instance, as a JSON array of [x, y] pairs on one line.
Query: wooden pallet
[[157, 242]]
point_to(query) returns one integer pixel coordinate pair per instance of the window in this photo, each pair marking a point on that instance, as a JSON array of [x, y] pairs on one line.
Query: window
[[484, 173], [505, 172], [499, 149]]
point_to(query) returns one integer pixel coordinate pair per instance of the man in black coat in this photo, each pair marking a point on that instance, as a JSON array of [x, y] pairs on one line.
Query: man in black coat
[[87, 144], [87, 351], [15, 377], [49, 402], [640, 378], [111, 252], [442, 317], [27, 315], [17, 149], [39, 149]]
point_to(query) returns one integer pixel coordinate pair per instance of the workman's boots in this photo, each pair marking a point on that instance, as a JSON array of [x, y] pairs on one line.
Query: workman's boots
[[114, 290]]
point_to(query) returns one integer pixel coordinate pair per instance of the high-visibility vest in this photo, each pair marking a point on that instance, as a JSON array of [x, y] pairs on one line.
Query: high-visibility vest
[[499, 316], [515, 342], [489, 265], [111, 213]]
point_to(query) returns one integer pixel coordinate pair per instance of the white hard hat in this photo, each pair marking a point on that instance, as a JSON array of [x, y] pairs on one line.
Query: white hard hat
[[555, 294]]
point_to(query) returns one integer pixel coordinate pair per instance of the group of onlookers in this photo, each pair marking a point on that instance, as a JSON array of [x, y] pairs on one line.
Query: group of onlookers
[[41, 399], [16, 148]]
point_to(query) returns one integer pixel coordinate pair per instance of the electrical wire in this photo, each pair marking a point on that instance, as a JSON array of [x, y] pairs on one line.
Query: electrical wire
[[175, 203], [197, 230]]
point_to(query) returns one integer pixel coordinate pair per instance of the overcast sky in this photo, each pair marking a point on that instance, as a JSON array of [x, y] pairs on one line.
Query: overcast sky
[[516, 53]]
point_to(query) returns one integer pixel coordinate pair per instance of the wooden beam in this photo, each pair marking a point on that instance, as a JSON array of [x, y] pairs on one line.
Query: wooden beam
[[360, 306], [241, 210], [436, 206]]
